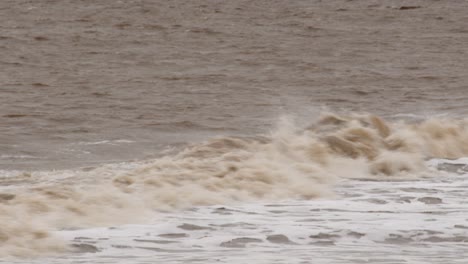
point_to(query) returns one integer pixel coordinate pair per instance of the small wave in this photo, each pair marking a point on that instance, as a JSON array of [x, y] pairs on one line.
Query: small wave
[[18, 157], [106, 142]]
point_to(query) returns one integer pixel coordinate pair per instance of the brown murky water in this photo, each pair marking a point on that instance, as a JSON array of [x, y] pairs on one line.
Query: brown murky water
[[145, 74], [112, 93]]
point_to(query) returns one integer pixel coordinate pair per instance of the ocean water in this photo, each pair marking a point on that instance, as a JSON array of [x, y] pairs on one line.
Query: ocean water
[[221, 132]]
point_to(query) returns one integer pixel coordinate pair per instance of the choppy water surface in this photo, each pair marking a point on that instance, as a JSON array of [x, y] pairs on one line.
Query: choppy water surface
[[144, 74], [226, 132]]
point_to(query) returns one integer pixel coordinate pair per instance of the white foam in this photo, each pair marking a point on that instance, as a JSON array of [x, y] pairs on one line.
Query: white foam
[[288, 164], [390, 222]]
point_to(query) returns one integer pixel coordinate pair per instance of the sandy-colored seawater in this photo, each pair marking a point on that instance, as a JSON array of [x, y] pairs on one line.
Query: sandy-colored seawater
[[233, 131]]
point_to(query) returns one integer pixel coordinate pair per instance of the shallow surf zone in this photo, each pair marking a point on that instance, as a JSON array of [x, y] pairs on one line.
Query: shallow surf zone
[[289, 163]]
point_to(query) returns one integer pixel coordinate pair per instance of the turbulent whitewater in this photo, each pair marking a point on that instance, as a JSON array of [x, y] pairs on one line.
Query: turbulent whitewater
[[292, 162], [147, 131]]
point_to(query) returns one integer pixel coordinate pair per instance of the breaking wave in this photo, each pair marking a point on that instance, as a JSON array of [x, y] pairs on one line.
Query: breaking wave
[[290, 163]]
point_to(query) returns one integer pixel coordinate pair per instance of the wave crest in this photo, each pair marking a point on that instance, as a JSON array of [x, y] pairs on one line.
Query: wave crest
[[289, 163]]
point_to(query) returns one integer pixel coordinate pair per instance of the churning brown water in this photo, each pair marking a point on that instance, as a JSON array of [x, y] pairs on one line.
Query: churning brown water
[[204, 122]]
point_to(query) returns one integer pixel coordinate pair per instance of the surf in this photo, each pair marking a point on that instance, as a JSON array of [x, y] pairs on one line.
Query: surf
[[294, 161]]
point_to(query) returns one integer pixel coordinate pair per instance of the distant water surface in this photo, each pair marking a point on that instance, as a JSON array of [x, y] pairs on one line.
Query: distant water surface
[[81, 81]]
